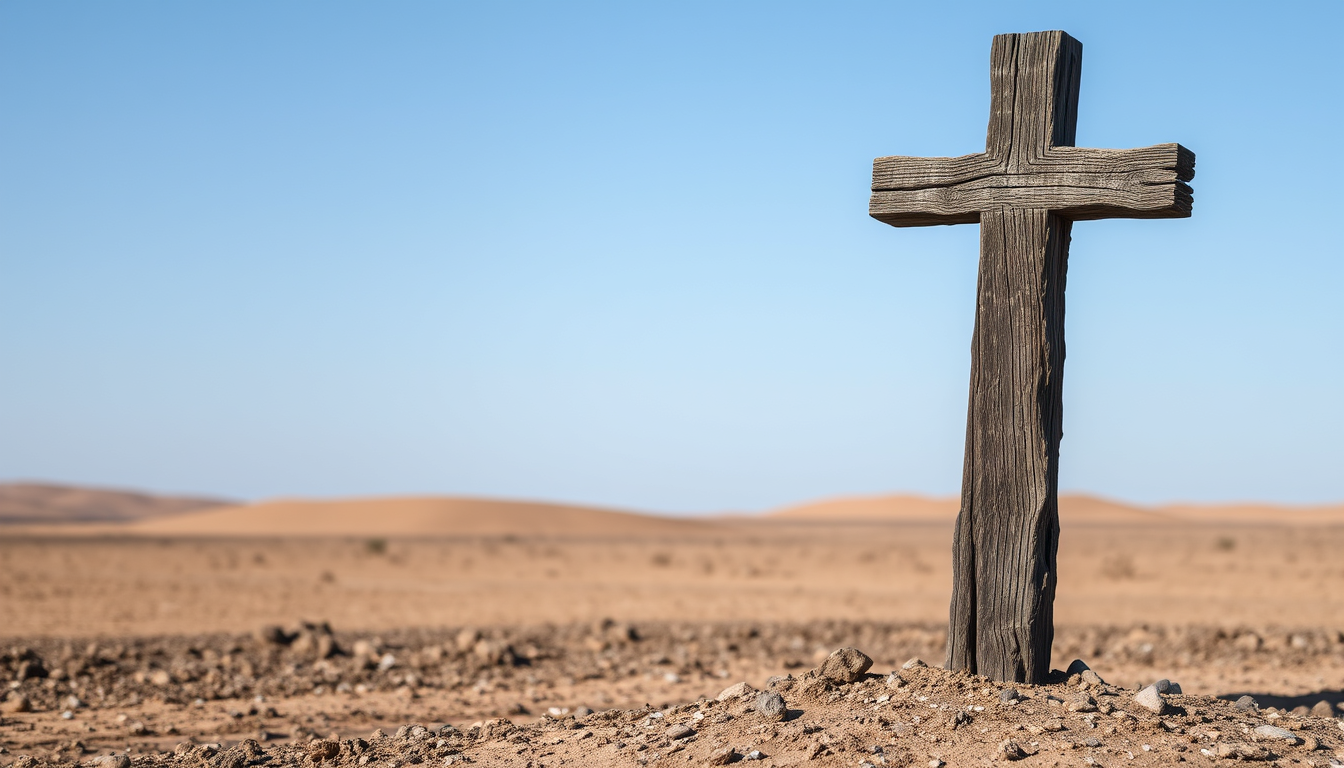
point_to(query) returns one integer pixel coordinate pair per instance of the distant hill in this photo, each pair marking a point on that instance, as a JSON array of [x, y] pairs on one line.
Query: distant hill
[[1073, 508], [430, 516], [43, 504]]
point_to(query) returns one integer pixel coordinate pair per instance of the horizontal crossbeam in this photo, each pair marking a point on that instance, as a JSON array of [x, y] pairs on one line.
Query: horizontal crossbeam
[[1076, 183]]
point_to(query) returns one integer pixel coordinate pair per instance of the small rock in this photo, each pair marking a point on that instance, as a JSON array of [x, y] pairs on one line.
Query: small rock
[[736, 691], [680, 732], [1082, 703], [160, 677], [914, 663], [467, 639], [1228, 751], [845, 665], [1163, 685], [771, 705], [1092, 741], [936, 763], [1008, 694], [1309, 742], [1246, 702], [1054, 725], [1010, 750], [1322, 708], [16, 702], [775, 681], [1276, 733], [1092, 678], [1151, 700], [722, 756], [323, 749], [895, 681], [112, 761], [754, 754], [1175, 690]]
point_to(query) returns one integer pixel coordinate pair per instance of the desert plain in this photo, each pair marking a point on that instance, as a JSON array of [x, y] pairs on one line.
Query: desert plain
[[395, 632]]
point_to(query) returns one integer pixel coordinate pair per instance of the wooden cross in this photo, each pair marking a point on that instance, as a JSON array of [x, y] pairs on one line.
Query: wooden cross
[[1026, 189]]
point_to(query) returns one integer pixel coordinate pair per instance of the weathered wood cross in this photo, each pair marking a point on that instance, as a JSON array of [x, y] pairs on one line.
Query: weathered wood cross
[[1026, 189]]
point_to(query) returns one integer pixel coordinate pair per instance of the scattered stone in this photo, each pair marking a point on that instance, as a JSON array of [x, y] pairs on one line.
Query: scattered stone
[[1092, 678], [1082, 703], [936, 763], [1054, 725], [1246, 702], [111, 761], [1322, 708], [1151, 700], [681, 732], [914, 663], [736, 691], [1010, 750], [845, 665], [1008, 694], [1275, 732], [16, 702], [754, 754], [895, 681], [1092, 741], [771, 705], [1233, 751], [323, 749], [723, 756]]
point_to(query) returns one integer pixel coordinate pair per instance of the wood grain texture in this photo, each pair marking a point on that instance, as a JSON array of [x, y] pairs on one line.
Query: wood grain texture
[[1025, 190]]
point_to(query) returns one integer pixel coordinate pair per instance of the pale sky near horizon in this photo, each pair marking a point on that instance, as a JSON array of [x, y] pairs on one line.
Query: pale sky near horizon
[[620, 254]]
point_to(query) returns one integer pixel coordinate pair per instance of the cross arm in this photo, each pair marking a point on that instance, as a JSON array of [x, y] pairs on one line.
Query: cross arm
[[1077, 183]]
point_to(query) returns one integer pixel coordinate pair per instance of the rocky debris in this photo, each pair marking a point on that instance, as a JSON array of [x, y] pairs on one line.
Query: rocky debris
[[1276, 733], [1238, 751], [845, 665], [1092, 678], [736, 691], [1322, 708], [723, 756], [914, 663], [771, 705], [1010, 750], [1008, 695], [1246, 702], [1165, 686], [111, 761], [16, 702], [1150, 699], [680, 731], [1082, 703]]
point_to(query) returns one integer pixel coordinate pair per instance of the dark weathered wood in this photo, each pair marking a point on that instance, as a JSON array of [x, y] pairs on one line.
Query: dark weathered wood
[[1025, 190]]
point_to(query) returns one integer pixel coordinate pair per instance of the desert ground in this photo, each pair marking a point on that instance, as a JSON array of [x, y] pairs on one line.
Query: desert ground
[[396, 632]]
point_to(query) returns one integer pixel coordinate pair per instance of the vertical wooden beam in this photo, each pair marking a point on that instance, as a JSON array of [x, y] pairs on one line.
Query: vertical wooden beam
[[1007, 534], [1001, 621]]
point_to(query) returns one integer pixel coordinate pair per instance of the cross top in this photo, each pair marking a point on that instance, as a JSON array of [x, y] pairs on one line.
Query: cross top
[[1029, 159], [1026, 190]]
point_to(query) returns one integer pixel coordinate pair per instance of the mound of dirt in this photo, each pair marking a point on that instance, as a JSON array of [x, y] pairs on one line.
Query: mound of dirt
[[40, 504], [502, 696]]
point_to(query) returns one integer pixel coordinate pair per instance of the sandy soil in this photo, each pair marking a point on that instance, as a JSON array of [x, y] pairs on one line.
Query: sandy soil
[[156, 633]]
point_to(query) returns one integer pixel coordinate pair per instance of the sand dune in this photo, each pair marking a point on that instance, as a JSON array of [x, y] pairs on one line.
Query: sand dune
[[1074, 509], [400, 517], [44, 503]]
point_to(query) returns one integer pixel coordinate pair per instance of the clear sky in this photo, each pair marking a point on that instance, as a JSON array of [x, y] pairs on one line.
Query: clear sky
[[620, 253]]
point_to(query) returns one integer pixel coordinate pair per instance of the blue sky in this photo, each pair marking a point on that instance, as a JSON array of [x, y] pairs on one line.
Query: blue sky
[[620, 253]]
